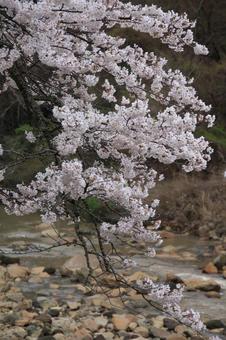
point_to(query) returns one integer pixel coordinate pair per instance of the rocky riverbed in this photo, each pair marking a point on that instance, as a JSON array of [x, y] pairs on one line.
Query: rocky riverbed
[[44, 295]]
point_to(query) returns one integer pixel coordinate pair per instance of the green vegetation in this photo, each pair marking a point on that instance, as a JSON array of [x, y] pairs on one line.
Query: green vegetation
[[216, 134]]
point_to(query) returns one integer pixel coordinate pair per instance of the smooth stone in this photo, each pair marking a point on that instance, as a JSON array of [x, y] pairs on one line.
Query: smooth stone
[[50, 270], [37, 270], [65, 324], [54, 286], [210, 268], [83, 334], [202, 284], [176, 337], [213, 295], [42, 226], [157, 322], [90, 324], [140, 276], [51, 233], [170, 324], [132, 326], [141, 330], [101, 321], [220, 261], [25, 319], [122, 321], [10, 319], [167, 234], [76, 263], [6, 260], [73, 305], [54, 311], [17, 271], [214, 324], [159, 333], [45, 318], [3, 273]]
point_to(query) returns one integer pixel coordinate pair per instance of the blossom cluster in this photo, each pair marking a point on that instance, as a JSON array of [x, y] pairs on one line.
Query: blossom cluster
[[152, 113]]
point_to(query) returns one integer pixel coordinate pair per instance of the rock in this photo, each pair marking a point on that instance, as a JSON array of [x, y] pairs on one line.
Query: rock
[[220, 261], [6, 260], [83, 289], [54, 311], [99, 300], [101, 321], [214, 324], [143, 331], [10, 319], [42, 226], [90, 324], [50, 270], [75, 264], [181, 329], [59, 336], [172, 278], [167, 234], [83, 334], [201, 284], [46, 303], [104, 336], [101, 337], [37, 270], [45, 318], [188, 256], [132, 326], [158, 321], [73, 305], [213, 295], [210, 268], [13, 333], [25, 319], [159, 333], [17, 271], [176, 337], [169, 249], [116, 292], [170, 324], [140, 276], [109, 280], [122, 321], [50, 232], [54, 286], [3, 273], [65, 324]]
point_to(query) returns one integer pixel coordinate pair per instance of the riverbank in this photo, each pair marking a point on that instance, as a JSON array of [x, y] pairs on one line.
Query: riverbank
[[46, 303], [44, 295], [43, 298]]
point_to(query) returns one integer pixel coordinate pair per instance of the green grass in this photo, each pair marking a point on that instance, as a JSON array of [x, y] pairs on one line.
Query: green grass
[[216, 134]]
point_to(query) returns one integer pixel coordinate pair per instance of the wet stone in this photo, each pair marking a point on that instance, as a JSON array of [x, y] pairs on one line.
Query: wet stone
[[159, 333], [214, 324], [220, 261], [54, 312], [6, 260], [170, 324], [45, 318]]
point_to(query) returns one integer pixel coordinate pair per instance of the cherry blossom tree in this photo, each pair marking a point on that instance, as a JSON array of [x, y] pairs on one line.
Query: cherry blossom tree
[[62, 54]]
